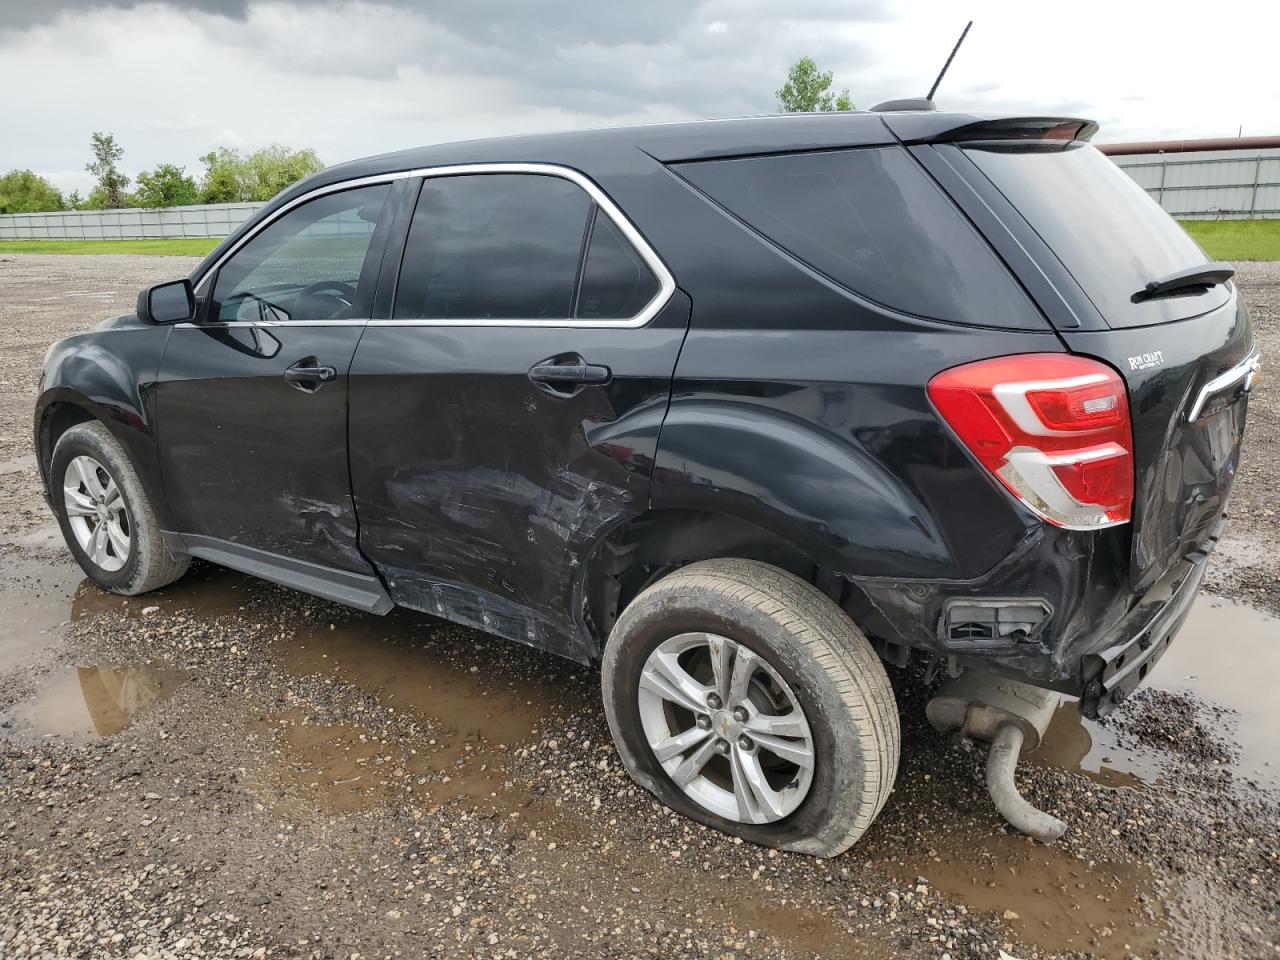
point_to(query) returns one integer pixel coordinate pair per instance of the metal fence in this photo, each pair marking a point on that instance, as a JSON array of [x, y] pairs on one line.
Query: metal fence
[[1208, 186], [208, 220], [1227, 184]]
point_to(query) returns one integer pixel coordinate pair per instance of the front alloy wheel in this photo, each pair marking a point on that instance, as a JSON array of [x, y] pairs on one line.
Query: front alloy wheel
[[726, 728], [105, 515], [96, 513]]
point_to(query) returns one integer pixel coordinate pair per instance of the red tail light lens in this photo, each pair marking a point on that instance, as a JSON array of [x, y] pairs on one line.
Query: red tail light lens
[[1053, 428]]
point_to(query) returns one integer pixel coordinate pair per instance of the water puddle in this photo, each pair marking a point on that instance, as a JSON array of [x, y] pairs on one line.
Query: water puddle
[[1046, 896], [1226, 654], [86, 703], [470, 703]]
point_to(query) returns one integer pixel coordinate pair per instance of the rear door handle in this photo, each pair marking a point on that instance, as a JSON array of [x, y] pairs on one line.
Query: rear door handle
[[575, 374], [310, 375], [566, 375]]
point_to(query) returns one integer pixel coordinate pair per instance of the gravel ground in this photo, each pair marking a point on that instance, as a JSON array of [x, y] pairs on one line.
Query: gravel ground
[[228, 769]]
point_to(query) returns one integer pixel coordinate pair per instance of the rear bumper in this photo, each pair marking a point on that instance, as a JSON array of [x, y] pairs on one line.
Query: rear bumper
[[1098, 641], [1124, 656]]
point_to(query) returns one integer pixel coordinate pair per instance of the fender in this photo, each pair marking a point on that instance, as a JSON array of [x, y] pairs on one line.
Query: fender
[[115, 386], [823, 491]]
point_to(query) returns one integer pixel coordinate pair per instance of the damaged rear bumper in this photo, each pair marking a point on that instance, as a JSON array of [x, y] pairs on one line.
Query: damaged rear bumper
[[1123, 658]]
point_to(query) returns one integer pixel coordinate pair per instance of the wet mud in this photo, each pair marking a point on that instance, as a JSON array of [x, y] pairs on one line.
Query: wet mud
[[470, 714]]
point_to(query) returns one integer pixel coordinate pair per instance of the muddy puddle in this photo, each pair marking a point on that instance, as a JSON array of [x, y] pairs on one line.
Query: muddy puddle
[[468, 705], [462, 704], [1228, 656], [86, 703]]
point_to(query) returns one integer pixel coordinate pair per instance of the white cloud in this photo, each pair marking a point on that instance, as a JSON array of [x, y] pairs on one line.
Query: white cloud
[[356, 78]]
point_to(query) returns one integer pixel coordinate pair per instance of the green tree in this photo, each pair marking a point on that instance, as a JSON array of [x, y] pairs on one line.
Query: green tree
[[106, 167], [221, 181], [230, 178], [22, 191], [808, 90], [271, 169], [166, 186]]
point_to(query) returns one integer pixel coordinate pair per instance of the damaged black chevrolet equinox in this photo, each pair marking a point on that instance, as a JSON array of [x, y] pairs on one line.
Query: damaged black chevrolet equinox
[[742, 410]]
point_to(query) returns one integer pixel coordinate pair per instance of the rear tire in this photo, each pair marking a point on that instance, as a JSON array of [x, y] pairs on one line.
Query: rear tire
[[105, 515], [800, 650]]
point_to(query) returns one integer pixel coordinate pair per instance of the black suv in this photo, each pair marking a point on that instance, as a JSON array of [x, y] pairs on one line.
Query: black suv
[[740, 409]]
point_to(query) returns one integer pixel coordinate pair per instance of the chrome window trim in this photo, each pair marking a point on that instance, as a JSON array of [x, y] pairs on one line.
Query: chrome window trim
[[666, 283], [1247, 370]]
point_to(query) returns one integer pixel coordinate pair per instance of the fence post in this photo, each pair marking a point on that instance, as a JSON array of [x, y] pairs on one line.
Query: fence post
[[1253, 197]]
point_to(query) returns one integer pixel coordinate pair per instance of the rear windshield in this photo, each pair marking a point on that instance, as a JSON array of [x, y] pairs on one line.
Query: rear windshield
[[1111, 236], [872, 221]]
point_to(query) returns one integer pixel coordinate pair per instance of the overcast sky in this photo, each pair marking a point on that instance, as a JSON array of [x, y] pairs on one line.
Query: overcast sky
[[172, 80]]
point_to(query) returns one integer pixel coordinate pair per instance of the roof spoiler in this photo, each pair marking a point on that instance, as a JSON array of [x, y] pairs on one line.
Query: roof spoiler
[[926, 127]]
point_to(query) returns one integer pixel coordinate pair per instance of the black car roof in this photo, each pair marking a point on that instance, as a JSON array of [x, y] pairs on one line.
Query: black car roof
[[672, 142]]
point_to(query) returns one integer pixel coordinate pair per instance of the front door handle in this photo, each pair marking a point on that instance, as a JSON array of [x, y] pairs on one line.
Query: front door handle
[[309, 375]]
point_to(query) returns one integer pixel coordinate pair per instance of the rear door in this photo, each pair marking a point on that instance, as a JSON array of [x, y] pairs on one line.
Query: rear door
[[1186, 354], [252, 398], [506, 398]]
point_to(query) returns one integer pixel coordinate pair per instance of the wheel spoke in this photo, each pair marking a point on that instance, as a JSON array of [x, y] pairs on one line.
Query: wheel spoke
[[87, 470], [744, 665], [722, 656], [692, 765], [779, 725], [112, 492], [757, 801], [677, 744], [664, 676], [798, 752], [77, 503], [118, 539], [97, 548]]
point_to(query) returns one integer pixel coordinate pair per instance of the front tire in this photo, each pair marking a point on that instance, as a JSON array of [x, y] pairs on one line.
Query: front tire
[[105, 515], [744, 698]]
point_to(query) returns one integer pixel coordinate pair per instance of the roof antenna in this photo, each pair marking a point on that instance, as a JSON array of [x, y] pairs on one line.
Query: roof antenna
[[947, 65]]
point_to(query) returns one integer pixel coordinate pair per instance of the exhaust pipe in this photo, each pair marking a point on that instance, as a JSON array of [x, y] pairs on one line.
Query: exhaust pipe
[[1010, 716]]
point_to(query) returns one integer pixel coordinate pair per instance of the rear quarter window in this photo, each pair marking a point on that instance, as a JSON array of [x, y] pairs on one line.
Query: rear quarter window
[[872, 221]]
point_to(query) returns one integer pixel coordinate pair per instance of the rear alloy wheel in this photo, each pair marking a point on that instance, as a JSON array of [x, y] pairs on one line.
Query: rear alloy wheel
[[738, 745], [105, 515], [744, 698]]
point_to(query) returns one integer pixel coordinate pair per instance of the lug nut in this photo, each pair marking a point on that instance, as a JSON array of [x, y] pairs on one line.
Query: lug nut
[[740, 714], [714, 702], [746, 743], [722, 746], [704, 722]]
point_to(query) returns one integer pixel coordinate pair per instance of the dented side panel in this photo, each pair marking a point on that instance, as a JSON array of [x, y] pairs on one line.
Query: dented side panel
[[480, 494]]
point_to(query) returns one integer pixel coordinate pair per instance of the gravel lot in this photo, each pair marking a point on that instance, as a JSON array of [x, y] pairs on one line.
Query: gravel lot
[[228, 769]]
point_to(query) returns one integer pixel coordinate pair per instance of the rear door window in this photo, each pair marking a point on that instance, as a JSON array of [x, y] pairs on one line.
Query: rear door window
[[872, 221], [493, 246], [1106, 230]]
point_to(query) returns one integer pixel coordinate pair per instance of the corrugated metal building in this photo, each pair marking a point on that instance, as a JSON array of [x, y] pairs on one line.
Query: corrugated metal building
[[1227, 178]]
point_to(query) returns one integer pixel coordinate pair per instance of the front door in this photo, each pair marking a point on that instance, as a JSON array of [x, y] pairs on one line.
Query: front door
[[505, 410], [252, 398]]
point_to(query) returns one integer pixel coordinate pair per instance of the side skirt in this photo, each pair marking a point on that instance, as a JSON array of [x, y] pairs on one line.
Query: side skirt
[[364, 592]]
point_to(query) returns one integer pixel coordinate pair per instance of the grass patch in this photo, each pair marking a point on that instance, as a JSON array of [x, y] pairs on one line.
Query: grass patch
[[1232, 240], [176, 247]]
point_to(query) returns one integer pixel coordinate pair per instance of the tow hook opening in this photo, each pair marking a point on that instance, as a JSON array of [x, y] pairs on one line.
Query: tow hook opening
[[1011, 717]]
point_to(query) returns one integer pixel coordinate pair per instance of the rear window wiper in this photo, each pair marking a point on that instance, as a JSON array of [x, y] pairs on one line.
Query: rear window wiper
[[1191, 280]]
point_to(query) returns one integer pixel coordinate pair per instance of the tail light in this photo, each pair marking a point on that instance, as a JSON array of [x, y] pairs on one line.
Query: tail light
[[1053, 428]]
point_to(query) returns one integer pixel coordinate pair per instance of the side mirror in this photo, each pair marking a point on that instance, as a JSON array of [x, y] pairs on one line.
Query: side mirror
[[171, 302]]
